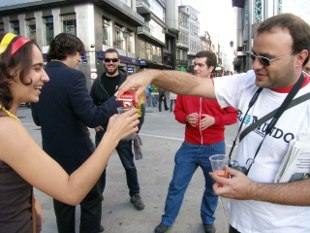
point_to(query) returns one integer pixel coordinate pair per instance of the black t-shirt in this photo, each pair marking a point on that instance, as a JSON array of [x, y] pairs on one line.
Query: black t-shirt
[[111, 84]]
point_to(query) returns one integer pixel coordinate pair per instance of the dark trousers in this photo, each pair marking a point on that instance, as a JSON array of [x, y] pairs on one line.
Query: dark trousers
[[124, 150], [172, 103], [91, 208], [163, 99]]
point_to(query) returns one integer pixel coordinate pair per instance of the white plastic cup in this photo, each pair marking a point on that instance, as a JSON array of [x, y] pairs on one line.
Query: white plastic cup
[[218, 162]]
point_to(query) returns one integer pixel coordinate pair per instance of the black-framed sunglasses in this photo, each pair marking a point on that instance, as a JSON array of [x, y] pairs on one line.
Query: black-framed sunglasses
[[108, 60], [265, 61]]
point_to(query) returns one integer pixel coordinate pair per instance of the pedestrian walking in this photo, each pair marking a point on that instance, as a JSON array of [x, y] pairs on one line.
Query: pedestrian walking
[[162, 99]]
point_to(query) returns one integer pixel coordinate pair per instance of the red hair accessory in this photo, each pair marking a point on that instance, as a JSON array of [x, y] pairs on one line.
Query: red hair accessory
[[17, 44]]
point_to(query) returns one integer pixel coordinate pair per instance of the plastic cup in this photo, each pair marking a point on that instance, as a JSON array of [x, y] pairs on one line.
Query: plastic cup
[[195, 117], [218, 162], [121, 110]]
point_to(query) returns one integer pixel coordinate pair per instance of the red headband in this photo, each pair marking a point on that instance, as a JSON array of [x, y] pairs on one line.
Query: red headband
[[17, 44]]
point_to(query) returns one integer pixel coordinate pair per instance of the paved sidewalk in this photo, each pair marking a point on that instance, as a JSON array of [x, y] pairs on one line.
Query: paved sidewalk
[[161, 136]]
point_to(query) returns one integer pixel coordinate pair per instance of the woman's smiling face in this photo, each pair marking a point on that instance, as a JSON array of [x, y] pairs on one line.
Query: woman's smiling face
[[36, 76]]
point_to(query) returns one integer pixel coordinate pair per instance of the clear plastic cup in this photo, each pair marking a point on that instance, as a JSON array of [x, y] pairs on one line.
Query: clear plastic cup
[[121, 110], [218, 162]]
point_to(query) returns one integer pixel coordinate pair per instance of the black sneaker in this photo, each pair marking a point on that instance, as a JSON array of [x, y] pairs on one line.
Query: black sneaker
[[161, 228], [101, 228], [137, 201], [209, 228]]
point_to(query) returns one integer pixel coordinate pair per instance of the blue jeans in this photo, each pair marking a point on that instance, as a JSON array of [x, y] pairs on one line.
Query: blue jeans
[[148, 100], [155, 100], [124, 150], [187, 159]]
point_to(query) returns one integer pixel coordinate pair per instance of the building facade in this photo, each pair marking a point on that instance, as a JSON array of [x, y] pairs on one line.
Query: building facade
[[136, 28], [249, 14], [189, 42], [147, 33]]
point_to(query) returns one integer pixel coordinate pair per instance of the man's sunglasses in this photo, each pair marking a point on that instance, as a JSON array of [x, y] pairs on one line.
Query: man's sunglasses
[[265, 61], [108, 60]]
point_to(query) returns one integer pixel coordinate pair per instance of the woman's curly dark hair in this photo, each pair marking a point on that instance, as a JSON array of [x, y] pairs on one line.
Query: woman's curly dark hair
[[11, 66]]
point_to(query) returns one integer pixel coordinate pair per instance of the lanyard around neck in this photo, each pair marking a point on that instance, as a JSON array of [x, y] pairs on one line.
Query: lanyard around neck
[[273, 121]]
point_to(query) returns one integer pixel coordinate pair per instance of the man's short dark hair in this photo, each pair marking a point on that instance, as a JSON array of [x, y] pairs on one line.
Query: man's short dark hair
[[63, 45], [211, 57], [112, 50], [298, 28]]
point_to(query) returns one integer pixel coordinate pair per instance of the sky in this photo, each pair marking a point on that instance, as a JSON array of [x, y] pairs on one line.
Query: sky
[[302, 8], [217, 17]]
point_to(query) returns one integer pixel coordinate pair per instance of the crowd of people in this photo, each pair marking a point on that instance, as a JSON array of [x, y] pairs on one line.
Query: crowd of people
[[72, 169]]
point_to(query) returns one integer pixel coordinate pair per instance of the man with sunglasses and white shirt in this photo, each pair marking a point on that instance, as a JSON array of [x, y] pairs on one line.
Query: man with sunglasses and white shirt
[[102, 89], [257, 202]]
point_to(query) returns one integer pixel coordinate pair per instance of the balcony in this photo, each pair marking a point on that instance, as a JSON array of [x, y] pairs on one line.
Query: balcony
[[143, 7], [122, 11], [182, 45], [145, 32], [144, 29], [180, 62]]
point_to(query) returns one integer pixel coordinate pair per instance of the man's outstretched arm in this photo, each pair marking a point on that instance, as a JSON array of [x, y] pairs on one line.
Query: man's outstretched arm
[[178, 82]]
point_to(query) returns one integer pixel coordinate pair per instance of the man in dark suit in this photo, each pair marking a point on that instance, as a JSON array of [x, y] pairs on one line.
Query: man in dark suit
[[64, 112]]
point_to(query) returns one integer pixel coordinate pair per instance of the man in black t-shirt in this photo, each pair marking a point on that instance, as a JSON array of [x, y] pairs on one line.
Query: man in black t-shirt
[[102, 89]]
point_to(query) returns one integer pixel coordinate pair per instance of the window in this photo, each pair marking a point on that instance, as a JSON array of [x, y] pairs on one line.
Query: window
[[157, 9], [2, 28], [127, 2], [31, 29], [49, 29], [69, 24], [148, 52], [118, 37], [15, 27], [106, 29], [140, 48], [130, 41]]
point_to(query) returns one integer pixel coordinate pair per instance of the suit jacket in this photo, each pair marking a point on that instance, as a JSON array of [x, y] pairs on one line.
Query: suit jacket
[[65, 111]]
